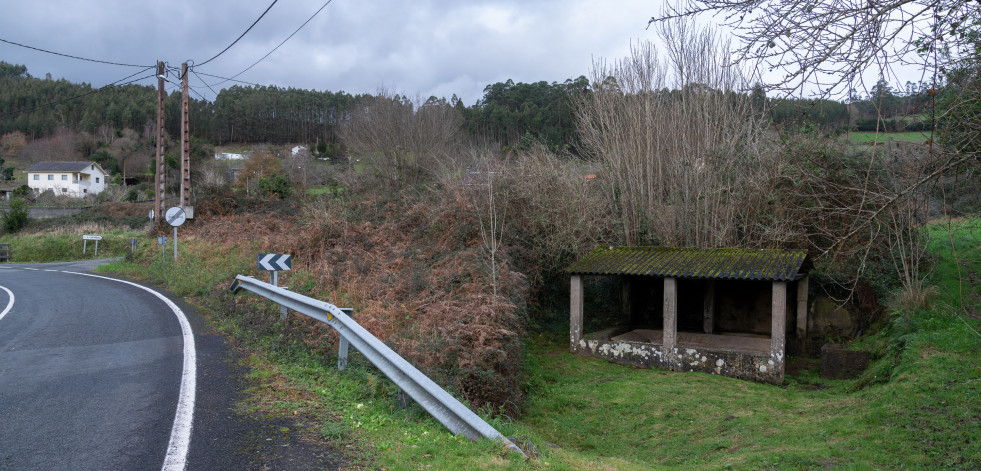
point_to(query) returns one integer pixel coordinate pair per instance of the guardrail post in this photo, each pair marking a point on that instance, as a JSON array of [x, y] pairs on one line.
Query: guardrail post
[[274, 280], [343, 344]]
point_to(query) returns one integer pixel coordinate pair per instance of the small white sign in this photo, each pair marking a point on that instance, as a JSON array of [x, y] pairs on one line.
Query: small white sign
[[91, 237]]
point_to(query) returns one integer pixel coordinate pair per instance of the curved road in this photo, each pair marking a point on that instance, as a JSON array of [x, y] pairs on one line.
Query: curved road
[[98, 373], [91, 373]]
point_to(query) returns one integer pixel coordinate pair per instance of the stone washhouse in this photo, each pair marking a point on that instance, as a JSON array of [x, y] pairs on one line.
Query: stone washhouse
[[721, 311]]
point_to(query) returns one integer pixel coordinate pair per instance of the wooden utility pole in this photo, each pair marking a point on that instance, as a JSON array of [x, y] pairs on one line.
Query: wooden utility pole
[[160, 181], [185, 147]]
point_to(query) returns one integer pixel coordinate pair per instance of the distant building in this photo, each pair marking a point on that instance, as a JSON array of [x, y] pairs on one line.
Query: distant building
[[75, 179]]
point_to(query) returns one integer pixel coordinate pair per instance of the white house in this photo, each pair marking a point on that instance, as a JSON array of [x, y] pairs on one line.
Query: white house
[[67, 178]]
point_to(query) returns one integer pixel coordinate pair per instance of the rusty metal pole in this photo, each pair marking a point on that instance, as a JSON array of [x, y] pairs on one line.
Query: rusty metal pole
[[160, 180], [185, 143]]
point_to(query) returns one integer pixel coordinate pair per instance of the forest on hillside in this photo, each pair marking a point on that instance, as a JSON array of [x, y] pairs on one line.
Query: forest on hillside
[[60, 120]]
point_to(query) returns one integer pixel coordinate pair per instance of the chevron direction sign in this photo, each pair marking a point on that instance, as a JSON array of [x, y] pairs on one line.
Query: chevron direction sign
[[275, 261]]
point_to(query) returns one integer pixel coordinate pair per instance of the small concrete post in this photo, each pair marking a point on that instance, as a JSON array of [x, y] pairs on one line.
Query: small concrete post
[[575, 312], [708, 307], [274, 280], [342, 345], [670, 314], [802, 309], [778, 324]]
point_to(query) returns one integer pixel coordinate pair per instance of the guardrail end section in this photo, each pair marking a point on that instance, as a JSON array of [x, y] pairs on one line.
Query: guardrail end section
[[236, 284]]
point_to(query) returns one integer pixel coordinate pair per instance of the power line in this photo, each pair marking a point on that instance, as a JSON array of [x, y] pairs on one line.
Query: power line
[[280, 44], [197, 93], [205, 83], [227, 79], [243, 34], [83, 95], [71, 56]]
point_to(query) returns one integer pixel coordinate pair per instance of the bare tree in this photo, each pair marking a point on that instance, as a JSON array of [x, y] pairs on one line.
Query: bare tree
[[299, 165], [106, 134], [62, 146], [489, 198], [402, 141], [825, 47], [830, 44], [127, 150], [685, 151]]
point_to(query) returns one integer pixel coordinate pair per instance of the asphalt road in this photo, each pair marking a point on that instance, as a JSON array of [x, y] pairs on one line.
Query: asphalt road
[[99, 374]]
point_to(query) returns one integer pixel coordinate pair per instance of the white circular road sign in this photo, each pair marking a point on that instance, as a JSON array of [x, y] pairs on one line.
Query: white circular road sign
[[175, 216]]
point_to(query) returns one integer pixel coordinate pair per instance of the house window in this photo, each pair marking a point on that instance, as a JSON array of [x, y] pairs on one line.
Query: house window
[[64, 177], [37, 177], [51, 177], [97, 179], [64, 190], [85, 190]]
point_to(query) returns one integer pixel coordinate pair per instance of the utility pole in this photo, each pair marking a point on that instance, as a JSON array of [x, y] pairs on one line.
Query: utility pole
[[159, 181], [185, 147]]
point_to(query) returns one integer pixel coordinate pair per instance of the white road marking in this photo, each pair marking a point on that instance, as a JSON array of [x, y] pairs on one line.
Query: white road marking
[[10, 303], [32, 269], [180, 433]]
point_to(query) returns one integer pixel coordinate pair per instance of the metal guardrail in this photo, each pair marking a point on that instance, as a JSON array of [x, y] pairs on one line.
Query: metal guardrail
[[435, 400]]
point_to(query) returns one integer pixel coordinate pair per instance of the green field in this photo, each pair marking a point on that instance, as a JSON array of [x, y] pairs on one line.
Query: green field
[[881, 137]]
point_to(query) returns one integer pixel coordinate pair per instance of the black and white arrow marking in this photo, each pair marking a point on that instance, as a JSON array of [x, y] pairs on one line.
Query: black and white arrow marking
[[275, 261]]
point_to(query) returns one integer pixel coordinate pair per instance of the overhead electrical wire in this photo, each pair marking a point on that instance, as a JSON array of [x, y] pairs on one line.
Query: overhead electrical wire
[[227, 79], [71, 56], [243, 34], [280, 44], [205, 83], [83, 95]]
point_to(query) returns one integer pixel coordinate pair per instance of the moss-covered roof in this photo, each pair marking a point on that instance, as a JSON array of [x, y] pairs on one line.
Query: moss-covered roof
[[725, 264]]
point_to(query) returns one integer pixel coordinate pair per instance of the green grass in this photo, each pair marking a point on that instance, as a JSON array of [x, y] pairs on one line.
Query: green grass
[[43, 248], [873, 137], [916, 407]]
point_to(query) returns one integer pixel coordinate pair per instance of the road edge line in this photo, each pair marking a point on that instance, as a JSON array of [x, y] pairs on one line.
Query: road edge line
[[180, 433], [10, 304]]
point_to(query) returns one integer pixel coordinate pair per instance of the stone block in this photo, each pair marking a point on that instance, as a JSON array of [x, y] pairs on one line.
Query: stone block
[[837, 362]]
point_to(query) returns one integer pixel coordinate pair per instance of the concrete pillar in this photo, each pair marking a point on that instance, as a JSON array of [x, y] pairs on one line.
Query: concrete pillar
[[708, 306], [802, 309], [778, 324], [670, 314], [575, 312]]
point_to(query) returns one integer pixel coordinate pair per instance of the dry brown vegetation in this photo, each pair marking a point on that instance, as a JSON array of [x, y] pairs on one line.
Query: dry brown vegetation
[[412, 267]]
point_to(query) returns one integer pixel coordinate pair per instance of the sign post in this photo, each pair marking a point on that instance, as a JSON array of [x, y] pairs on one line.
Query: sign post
[[162, 242], [175, 216], [273, 262], [86, 238]]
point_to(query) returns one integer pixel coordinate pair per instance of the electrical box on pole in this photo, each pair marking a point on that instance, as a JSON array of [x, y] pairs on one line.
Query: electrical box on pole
[[185, 202], [161, 167]]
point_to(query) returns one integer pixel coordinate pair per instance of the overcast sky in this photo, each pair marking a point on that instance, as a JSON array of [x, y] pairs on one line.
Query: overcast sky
[[420, 47]]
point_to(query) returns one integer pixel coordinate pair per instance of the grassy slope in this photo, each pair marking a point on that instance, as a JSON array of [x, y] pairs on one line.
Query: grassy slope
[[919, 409]]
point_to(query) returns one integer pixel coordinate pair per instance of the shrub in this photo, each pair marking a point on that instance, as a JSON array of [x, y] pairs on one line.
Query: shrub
[[276, 184], [16, 217]]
